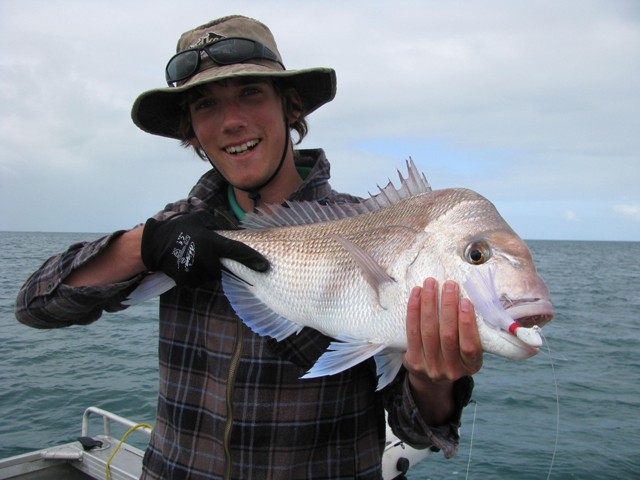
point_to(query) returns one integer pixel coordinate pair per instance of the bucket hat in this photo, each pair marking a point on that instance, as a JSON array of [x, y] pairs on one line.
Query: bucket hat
[[158, 111]]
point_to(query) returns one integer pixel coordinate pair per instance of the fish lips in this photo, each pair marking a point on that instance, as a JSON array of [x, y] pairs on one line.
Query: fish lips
[[531, 312]]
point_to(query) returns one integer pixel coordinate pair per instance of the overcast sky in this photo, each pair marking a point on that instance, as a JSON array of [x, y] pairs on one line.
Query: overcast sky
[[534, 104]]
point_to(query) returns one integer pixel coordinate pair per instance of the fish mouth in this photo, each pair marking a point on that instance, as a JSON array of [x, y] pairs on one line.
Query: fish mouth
[[530, 312]]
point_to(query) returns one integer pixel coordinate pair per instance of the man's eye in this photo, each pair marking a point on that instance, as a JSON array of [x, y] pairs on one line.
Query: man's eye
[[202, 104], [250, 91]]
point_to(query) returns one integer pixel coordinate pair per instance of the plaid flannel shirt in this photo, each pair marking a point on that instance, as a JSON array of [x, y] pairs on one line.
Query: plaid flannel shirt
[[231, 403]]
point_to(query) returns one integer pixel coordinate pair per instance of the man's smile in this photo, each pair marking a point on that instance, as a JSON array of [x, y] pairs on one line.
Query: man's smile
[[242, 148]]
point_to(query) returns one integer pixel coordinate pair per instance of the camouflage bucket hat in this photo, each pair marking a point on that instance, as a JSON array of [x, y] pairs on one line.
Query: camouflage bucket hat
[[226, 48]]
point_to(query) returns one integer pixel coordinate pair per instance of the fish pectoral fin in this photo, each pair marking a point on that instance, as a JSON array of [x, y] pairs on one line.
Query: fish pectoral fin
[[342, 355], [255, 314], [373, 272]]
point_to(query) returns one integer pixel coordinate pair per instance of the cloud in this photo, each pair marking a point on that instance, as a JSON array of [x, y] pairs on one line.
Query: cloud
[[630, 211], [533, 103], [571, 216]]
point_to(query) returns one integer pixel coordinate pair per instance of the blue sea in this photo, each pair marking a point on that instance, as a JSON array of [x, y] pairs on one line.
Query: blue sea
[[572, 412]]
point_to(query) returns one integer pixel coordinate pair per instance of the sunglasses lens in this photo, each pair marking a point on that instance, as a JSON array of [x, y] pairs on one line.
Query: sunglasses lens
[[230, 51], [182, 65]]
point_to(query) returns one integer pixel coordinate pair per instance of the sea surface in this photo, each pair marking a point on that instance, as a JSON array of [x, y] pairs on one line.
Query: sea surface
[[572, 412]]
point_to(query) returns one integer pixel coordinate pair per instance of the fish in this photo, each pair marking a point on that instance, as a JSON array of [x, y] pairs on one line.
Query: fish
[[347, 269]]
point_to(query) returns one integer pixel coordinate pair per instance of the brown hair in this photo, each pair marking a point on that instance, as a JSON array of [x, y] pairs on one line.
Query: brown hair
[[291, 104]]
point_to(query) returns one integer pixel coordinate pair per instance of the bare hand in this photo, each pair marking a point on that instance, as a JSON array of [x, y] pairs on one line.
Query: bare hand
[[440, 348]]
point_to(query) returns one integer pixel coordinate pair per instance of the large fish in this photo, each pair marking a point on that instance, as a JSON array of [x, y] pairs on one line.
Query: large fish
[[347, 270]]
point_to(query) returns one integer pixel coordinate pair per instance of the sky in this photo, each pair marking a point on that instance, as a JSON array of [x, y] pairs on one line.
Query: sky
[[535, 104]]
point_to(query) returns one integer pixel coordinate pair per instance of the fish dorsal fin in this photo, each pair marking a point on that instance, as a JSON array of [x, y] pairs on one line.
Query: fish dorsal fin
[[414, 184], [304, 213], [292, 214]]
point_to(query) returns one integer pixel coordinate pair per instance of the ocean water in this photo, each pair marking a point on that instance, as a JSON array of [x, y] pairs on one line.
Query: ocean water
[[573, 413]]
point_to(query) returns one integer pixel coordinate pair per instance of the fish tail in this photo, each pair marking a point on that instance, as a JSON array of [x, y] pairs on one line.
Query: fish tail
[[151, 286]]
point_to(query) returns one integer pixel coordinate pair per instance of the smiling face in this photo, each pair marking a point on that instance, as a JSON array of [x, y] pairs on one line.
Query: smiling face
[[240, 125]]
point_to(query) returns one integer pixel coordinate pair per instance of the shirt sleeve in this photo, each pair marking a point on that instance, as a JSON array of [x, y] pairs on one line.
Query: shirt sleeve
[[44, 301], [408, 425]]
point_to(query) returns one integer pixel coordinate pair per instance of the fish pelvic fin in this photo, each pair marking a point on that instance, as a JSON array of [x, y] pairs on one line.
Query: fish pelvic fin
[[294, 213], [388, 364], [348, 352], [255, 314]]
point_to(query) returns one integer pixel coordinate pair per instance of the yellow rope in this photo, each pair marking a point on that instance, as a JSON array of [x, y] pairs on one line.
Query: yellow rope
[[124, 437]]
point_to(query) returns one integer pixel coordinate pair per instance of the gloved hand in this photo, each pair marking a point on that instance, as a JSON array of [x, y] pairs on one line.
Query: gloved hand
[[187, 249]]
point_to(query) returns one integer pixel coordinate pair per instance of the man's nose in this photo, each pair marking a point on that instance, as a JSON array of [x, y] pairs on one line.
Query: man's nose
[[233, 116]]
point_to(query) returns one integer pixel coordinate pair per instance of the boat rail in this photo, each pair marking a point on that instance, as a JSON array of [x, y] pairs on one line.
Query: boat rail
[[107, 418]]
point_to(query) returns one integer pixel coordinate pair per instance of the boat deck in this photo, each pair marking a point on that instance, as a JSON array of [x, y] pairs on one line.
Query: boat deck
[[72, 461]]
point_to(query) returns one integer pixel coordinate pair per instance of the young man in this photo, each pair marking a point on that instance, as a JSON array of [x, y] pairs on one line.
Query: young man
[[231, 403]]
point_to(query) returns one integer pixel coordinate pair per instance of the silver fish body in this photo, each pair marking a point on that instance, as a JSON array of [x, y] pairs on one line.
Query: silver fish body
[[350, 276]]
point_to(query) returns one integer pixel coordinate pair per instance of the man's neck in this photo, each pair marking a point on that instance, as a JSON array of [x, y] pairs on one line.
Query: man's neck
[[279, 189]]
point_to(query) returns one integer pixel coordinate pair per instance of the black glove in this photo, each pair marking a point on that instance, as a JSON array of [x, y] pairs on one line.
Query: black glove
[[187, 249]]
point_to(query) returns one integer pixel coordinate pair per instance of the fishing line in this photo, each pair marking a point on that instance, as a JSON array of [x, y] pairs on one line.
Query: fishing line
[[555, 384], [557, 437], [473, 428]]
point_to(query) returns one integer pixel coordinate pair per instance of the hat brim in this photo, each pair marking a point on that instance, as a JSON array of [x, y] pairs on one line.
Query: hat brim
[[158, 111]]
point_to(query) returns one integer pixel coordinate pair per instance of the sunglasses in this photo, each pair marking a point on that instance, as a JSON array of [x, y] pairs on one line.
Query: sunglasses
[[223, 52]]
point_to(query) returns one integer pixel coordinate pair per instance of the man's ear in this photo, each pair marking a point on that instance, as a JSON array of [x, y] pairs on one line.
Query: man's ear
[[295, 105], [193, 141]]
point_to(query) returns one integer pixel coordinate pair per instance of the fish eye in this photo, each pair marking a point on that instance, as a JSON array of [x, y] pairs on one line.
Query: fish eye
[[477, 252]]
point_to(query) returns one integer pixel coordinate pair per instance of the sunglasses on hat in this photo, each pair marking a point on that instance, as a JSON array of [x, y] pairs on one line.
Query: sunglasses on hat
[[223, 52]]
